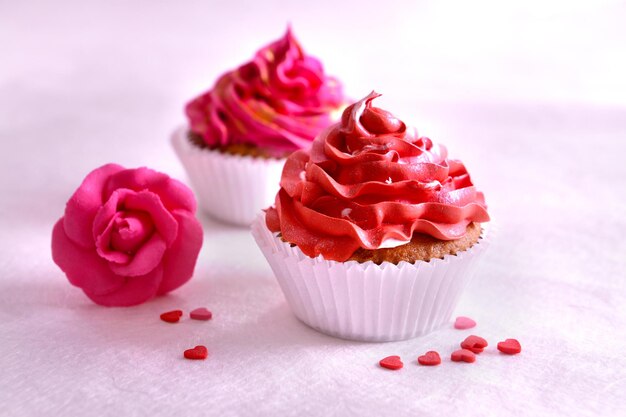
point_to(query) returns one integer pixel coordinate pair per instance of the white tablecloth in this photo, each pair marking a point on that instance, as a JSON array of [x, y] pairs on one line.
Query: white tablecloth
[[541, 128]]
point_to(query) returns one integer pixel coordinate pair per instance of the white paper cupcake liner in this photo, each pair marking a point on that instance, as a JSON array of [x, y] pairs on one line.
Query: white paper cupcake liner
[[365, 301], [230, 188]]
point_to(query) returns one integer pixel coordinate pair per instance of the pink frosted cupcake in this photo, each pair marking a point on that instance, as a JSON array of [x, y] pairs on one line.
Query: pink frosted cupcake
[[375, 230], [241, 131]]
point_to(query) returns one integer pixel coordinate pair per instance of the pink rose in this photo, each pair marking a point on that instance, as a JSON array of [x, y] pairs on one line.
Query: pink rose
[[128, 235]]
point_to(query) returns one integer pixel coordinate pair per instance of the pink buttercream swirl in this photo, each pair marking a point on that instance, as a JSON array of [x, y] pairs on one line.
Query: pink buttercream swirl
[[279, 101], [371, 178]]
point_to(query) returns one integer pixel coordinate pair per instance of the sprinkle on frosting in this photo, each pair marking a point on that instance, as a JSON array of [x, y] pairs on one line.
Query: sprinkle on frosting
[[391, 181], [280, 100]]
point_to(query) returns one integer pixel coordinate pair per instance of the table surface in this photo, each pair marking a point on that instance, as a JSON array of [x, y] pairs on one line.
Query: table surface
[[82, 85]]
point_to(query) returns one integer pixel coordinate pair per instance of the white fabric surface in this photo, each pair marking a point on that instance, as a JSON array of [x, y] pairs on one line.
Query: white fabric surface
[[532, 99]]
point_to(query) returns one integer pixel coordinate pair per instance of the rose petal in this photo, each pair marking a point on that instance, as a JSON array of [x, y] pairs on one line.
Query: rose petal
[[103, 244], [82, 207], [106, 213], [135, 290], [131, 231], [83, 267], [145, 201], [124, 234], [145, 260], [163, 221], [180, 260], [173, 193]]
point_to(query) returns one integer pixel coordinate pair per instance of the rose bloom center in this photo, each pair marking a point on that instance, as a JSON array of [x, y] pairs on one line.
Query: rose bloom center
[[130, 231]]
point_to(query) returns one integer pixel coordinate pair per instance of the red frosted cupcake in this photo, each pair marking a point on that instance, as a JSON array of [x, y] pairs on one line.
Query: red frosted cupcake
[[375, 231], [241, 131]]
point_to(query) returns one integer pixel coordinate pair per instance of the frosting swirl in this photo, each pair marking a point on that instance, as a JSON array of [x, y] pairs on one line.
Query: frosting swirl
[[280, 100], [371, 179]]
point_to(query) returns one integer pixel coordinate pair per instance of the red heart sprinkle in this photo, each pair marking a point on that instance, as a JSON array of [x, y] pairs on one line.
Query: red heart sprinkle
[[474, 343], [199, 352], [463, 323], [172, 316], [510, 347], [430, 358], [391, 362], [463, 355], [201, 313]]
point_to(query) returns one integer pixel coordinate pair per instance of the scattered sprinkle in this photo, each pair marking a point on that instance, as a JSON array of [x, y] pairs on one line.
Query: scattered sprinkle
[[463, 355], [430, 358], [392, 362], [510, 347], [199, 352], [474, 343], [201, 313], [172, 316], [463, 323]]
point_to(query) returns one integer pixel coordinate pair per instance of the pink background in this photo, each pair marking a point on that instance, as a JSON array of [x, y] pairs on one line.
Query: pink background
[[531, 97]]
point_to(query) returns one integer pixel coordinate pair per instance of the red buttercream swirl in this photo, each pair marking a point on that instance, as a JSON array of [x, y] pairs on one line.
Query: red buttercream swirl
[[279, 101], [371, 178]]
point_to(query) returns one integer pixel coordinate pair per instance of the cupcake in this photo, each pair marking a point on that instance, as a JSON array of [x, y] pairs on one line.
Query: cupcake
[[375, 231], [241, 131]]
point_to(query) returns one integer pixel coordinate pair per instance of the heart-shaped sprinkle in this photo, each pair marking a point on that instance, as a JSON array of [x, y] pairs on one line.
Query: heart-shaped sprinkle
[[430, 358], [201, 314], [463, 355], [474, 343], [172, 316], [391, 362], [510, 347], [199, 352], [463, 323]]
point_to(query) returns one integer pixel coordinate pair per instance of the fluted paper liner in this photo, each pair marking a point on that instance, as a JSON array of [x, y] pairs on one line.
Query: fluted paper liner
[[230, 188], [365, 301]]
